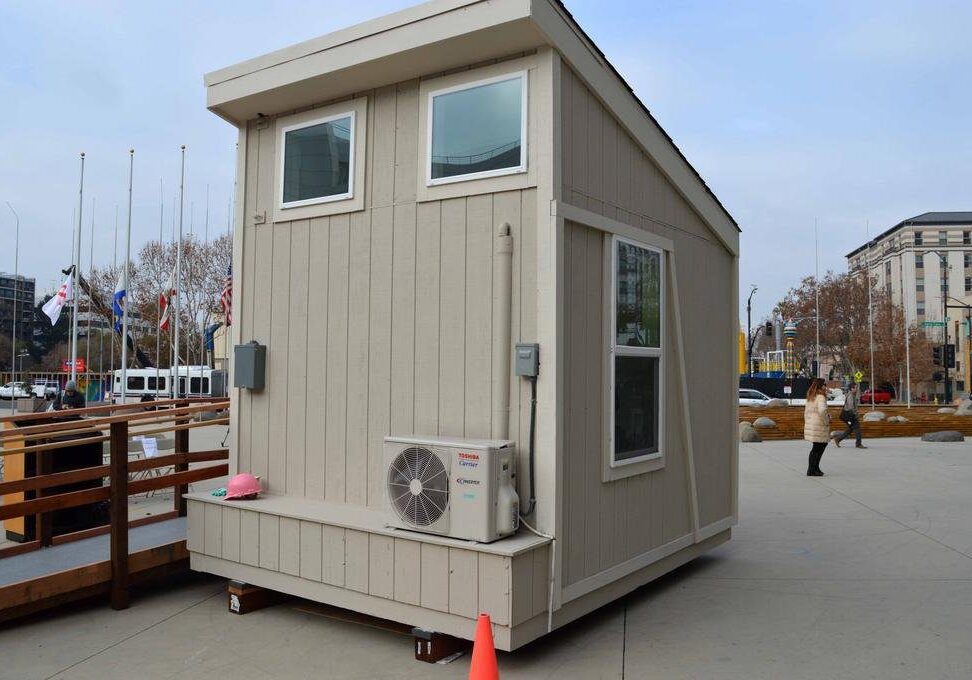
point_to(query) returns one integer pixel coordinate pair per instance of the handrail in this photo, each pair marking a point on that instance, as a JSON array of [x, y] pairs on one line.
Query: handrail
[[34, 448], [90, 423], [84, 427], [110, 408]]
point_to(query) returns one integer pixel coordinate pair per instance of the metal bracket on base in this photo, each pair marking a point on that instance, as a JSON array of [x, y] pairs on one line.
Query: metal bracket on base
[[432, 647], [243, 598]]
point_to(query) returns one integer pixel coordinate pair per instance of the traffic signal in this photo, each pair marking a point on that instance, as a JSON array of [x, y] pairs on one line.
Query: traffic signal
[[769, 329], [937, 355], [950, 356]]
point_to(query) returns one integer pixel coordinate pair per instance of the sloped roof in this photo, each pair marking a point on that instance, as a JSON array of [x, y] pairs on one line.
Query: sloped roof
[[437, 36], [930, 219]]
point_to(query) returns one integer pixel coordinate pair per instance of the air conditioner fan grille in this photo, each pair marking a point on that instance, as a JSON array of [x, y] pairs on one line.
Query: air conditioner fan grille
[[418, 486]]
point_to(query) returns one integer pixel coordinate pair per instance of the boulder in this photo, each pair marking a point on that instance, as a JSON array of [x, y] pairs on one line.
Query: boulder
[[897, 419], [763, 421], [836, 433], [776, 403], [872, 416], [946, 409], [943, 436], [747, 433], [965, 408]]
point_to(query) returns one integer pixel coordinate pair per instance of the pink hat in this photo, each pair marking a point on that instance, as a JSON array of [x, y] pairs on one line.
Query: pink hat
[[242, 486]]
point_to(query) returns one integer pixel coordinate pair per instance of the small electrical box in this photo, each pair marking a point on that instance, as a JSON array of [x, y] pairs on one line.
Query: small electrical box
[[527, 361], [250, 365]]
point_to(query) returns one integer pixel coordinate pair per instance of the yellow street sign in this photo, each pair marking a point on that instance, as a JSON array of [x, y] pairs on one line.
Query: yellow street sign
[[858, 376]]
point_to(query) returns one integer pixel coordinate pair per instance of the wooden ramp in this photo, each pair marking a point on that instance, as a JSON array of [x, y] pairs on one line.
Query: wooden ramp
[[921, 420], [55, 472], [44, 579]]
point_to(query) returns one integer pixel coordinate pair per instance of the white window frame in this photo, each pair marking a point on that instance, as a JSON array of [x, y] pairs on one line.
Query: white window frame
[[615, 350], [282, 205], [524, 129]]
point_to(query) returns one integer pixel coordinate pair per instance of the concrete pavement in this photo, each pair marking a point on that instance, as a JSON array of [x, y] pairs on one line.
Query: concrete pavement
[[864, 573]]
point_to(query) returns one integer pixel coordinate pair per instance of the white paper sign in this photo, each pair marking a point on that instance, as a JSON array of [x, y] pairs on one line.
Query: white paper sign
[[150, 446]]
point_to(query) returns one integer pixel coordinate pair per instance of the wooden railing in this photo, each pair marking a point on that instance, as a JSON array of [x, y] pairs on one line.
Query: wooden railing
[[114, 424]]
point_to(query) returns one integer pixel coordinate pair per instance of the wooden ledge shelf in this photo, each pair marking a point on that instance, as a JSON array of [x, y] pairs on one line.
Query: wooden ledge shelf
[[368, 520]]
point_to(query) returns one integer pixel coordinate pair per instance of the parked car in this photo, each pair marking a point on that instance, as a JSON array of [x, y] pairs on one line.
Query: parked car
[[878, 396], [45, 389], [749, 397], [16, 390]]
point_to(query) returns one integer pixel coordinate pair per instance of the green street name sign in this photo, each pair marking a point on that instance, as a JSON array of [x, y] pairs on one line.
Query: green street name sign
[[929, 324]]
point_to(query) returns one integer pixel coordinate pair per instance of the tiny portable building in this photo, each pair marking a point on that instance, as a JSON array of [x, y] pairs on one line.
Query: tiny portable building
[[418, 195]]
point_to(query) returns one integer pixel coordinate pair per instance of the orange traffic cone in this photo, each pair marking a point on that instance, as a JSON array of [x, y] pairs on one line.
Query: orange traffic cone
[[483, 665]]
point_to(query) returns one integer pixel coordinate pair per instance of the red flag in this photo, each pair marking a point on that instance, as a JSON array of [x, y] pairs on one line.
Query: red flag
[[165, 303]]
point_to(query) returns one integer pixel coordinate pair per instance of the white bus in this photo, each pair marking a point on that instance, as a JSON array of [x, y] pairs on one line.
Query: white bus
[[194, 381]]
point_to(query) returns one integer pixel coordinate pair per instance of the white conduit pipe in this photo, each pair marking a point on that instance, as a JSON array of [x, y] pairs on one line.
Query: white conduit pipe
[[502, 344]]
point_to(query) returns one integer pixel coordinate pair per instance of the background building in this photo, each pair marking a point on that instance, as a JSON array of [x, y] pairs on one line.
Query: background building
[[20, 288], [921, 262]]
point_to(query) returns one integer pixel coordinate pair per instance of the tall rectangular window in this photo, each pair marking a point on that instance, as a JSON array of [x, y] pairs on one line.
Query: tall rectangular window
[[967, 238], [967, 260], [920, 308], [919, 261], [920, 285], [478, 130], [637, 351], [968, 284], [943, 238], [317, 161], [918, 238]]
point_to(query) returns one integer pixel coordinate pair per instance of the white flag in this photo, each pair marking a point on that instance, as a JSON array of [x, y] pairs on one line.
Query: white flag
[[53, 306]]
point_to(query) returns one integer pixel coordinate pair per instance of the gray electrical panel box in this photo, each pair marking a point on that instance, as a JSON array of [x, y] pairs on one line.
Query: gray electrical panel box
[[250, 365], [527, 359]]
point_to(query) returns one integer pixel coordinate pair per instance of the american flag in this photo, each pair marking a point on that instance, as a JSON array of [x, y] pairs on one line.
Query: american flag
[[226, 297]]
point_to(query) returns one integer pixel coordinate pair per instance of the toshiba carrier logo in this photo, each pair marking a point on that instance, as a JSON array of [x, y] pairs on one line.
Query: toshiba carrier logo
[[469, 460]]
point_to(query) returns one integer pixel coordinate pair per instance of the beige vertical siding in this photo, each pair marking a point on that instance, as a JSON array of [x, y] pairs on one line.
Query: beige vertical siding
[[376, 322], [441, 578], [606, 172]]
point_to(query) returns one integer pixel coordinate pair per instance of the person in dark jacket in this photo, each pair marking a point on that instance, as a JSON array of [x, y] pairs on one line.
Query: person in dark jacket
[[70, 398], [849, 415]]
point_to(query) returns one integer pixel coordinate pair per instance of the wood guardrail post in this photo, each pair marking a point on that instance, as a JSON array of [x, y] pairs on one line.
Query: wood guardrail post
[[43, 465], [118, 480], [181, 446]]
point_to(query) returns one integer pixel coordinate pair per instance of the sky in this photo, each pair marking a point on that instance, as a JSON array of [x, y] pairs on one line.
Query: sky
[[852, 116]]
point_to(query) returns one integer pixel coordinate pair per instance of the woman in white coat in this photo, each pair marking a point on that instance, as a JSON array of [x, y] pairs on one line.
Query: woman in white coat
[[816, 424]]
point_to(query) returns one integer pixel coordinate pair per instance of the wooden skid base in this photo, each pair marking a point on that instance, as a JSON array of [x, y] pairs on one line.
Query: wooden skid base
[[432, 647], [242, 598]]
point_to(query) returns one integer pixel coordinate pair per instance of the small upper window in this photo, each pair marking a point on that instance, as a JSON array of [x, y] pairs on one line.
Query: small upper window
[[477, 130], [918, 238], [943, 238], [318, 161], [967, 238]]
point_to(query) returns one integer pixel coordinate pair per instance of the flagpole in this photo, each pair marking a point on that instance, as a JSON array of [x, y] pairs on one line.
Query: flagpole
[[125, 279], [178, 286], [87, 341], [114, 266], [13, 328], [77, 262], [158, 321], [202, 330]]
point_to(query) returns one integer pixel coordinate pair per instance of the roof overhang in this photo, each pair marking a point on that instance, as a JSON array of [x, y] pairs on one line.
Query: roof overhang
[[432, 37], [438, 36]]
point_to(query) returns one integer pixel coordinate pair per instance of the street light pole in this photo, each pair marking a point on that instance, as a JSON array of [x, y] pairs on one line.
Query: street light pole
[[749, 331], [13, 325]]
